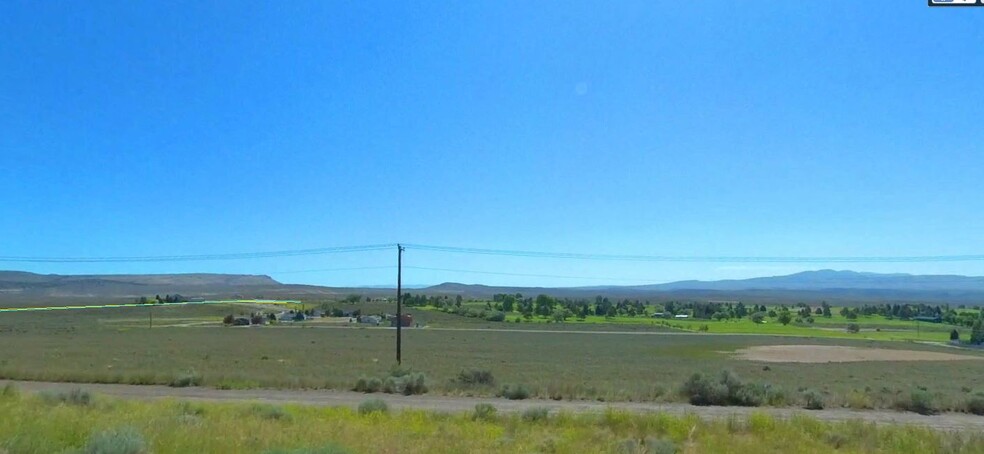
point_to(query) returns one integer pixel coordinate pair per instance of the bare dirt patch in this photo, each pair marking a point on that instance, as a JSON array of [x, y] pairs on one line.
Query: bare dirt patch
[[837, 354]]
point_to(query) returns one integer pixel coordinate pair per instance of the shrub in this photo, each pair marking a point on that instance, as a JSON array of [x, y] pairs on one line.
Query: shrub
[[774, 396], [514, 392], [701, 390], [73, 397], [476, 377], [814, 400], [391, 385], [954, 335], [228, 319], [186, 379], [269, 412], [835, 439], [496, 317], [729, 390], [859, 400], [976, 404], [399, 371], [408, 385], [187, 408], [853, 328], [373, 406], [484, 412], [746, 395], [361, 385], [758, 317], [125, 440], [536, 414], [919, 401]]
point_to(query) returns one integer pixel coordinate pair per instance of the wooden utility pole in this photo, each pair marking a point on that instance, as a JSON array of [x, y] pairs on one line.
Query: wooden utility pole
[[151, 312], [399, 303]]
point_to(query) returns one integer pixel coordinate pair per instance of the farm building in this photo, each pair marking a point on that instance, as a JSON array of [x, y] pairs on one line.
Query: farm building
[[407, 320]]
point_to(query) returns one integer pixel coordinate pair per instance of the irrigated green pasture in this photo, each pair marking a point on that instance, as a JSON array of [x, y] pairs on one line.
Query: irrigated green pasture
[[872, 327], [118, 347]]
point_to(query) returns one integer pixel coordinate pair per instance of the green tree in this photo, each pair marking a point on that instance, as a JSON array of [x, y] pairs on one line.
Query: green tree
[[785, 317], [544, 305], [508, 302], [561, 314], [977, 333]]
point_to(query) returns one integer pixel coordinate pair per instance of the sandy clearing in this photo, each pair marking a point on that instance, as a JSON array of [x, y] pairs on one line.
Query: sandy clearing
[[839, 354]]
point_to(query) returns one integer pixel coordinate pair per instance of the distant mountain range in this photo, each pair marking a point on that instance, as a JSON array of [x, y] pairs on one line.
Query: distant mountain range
[[830, 285], [17, 286], [834, 280]]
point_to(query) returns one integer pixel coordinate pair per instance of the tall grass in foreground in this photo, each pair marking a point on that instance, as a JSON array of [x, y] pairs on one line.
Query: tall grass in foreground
[[32, 424]]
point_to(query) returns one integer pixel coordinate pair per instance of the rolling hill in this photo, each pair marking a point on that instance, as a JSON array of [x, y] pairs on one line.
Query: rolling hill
[[834, 286]]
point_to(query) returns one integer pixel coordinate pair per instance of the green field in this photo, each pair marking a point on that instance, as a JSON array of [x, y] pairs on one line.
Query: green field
[[872, 327], [116, 346], [67, 423]]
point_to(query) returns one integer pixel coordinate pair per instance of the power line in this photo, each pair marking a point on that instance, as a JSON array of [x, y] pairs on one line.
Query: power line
[[520, 274], [505, 252], [205, 257], [324, 270], [700, 259]]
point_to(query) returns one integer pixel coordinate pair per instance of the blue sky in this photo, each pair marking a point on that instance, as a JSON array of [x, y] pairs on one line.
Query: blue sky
[[653, 127]]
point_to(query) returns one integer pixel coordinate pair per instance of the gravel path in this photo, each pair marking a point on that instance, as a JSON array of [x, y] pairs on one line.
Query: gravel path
[[947, 421]]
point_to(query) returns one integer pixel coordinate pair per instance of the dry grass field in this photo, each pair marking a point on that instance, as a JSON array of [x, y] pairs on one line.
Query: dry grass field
[[638, 365]]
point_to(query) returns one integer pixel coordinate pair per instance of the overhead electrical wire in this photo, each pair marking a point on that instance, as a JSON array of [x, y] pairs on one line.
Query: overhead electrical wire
[[519, 274], [204, 257], [326, 270], [508, 253], [700, 259]]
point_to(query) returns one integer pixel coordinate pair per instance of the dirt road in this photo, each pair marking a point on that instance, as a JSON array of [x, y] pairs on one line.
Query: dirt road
[[947, 421]]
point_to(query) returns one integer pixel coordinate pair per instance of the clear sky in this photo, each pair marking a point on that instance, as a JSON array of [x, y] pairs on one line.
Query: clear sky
[[783, 128]]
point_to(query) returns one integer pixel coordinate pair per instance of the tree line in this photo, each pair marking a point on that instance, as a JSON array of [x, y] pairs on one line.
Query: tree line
[[176, 298]]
